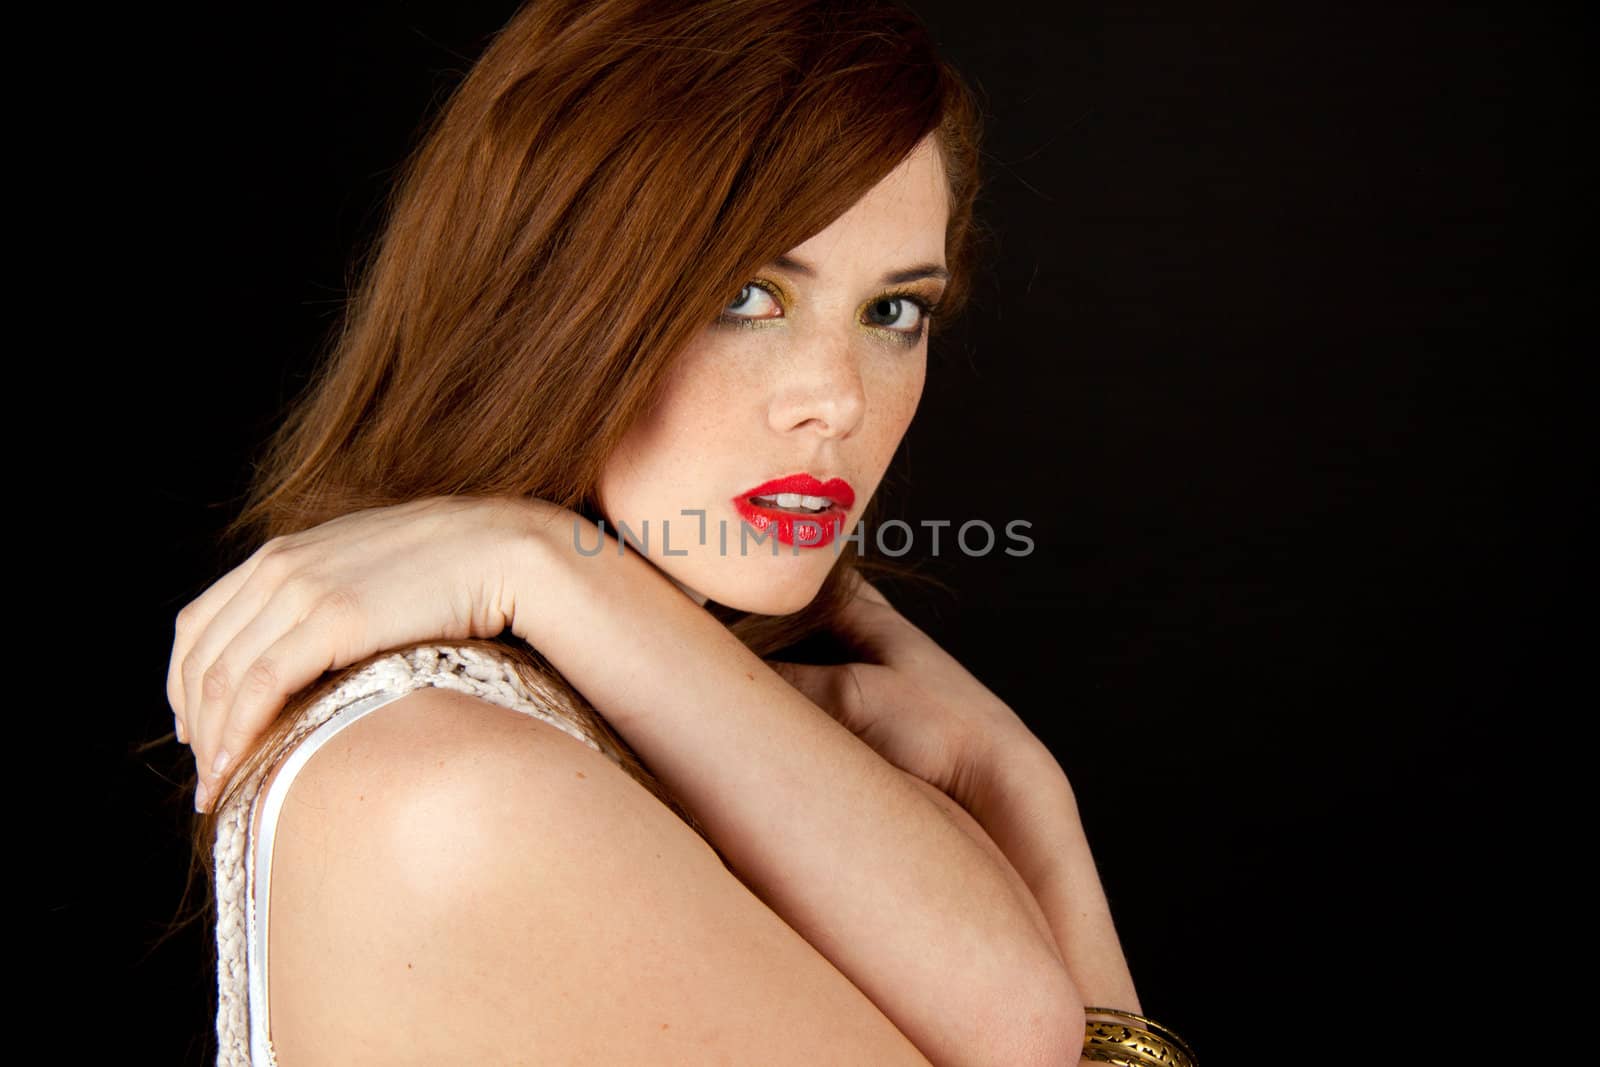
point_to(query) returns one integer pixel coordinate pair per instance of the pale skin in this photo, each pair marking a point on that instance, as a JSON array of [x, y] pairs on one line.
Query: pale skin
[[894, 814]]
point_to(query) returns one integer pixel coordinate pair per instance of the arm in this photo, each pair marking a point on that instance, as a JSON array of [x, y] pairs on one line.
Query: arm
[[811, 818], [1027, 807], [967, 750], [887, 887], [1092, 946], [454, 882]]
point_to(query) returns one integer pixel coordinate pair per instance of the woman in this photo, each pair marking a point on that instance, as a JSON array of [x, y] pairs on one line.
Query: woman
[[543, 353]]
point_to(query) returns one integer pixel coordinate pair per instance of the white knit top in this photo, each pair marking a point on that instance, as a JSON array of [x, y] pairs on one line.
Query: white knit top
[[243, 887]]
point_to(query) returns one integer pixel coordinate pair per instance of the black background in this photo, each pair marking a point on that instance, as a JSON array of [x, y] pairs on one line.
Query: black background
[[1269, 352]]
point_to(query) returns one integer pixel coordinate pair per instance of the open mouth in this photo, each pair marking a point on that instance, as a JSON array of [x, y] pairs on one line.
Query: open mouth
[[797, 503], [798, 509]]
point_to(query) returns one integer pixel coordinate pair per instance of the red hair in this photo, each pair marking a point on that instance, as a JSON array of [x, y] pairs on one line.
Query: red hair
[[661, 150]]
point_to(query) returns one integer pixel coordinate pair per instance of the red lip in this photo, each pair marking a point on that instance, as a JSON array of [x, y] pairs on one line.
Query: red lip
[[816, 531]]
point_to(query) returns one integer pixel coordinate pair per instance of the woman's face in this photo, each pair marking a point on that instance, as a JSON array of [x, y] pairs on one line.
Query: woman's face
[[812, 377]]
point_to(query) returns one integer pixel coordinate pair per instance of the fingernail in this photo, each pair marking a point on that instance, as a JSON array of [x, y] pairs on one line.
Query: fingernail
[[201, 794], [177, 728], [220, 764]]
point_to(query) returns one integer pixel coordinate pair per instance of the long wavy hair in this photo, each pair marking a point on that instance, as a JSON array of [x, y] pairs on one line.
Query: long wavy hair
[[665, 149]]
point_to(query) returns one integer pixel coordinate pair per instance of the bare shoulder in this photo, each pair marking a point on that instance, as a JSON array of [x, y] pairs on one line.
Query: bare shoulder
[[456, 882]]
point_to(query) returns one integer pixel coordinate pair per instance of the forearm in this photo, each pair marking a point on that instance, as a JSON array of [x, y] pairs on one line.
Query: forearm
[[816, 824], [963, 818], [1028, 808]]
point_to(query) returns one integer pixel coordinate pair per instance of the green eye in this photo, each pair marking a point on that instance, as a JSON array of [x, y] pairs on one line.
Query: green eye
[[892, 308], [887, 313]]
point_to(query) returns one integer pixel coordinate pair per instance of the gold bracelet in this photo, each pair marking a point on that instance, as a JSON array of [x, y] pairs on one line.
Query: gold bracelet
[[1147, 1045]]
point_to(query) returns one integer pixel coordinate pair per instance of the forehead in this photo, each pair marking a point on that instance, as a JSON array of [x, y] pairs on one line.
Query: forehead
[[902, 218]]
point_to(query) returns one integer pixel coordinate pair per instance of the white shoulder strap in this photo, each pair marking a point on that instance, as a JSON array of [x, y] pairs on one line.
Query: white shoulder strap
[[242, 896]]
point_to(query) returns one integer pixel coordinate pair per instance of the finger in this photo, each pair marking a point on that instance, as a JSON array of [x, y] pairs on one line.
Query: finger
[[879, 632], [831, 688], [294, 659], [803, 676], [209, 676], [191, 622], [252, 623], [865, 590], [867, 624]]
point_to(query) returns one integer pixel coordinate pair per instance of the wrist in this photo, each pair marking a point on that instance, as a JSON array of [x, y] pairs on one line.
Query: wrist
[[1014, 741], [568, 573], [539, 561], [1006, 759], [1018, 790]]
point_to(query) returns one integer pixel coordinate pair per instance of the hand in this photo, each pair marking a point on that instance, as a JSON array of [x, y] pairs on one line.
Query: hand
[[327, 597], [909, 699]]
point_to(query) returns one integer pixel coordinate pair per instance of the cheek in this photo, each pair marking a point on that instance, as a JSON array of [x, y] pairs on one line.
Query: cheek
[[668, 446], [900, 393], [628, 472]]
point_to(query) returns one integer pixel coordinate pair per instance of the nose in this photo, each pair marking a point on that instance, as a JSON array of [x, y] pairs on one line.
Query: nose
[[820, 390]]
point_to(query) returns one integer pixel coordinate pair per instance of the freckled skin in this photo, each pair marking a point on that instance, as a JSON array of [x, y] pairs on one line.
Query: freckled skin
[[816, 386]]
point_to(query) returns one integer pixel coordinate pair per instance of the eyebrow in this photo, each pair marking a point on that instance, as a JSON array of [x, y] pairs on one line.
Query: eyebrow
[[894, 277]]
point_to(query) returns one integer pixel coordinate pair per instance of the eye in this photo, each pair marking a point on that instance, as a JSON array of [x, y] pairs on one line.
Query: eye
[[903, 314], [751, 295]]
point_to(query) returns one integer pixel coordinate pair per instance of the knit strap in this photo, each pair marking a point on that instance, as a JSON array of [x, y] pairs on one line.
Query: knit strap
[[464, 669]]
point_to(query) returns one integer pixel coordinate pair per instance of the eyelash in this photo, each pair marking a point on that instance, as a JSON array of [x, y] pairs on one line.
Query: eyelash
[[926, 311]]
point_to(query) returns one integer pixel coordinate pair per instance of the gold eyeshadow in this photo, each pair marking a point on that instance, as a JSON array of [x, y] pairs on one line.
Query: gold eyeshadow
[[926, 308]]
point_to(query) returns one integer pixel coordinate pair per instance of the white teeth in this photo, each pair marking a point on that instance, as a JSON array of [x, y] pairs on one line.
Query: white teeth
[[796, 501]]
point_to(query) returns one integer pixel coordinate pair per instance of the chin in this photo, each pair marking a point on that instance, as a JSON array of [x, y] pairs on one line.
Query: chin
[[776, 592], [768, 602]]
